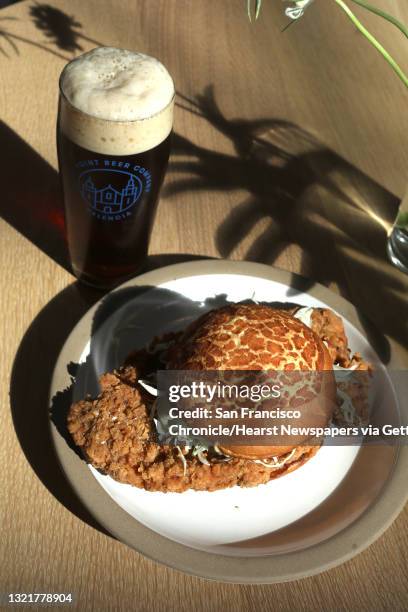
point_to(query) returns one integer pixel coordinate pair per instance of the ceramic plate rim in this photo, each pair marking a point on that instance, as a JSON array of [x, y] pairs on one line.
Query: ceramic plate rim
[[240, 569]]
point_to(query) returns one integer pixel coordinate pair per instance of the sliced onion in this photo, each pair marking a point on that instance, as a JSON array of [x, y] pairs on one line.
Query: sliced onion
[[276, 464], [203, 459], [183, 460]]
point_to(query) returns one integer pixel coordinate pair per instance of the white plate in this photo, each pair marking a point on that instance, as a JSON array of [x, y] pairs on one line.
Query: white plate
[[312, 519], [203, 520]]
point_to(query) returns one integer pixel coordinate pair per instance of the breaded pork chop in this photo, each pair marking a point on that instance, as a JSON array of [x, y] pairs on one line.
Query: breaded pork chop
[[116, 435]]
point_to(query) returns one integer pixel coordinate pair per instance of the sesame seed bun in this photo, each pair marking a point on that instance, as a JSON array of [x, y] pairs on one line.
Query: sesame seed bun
[[258, 338]]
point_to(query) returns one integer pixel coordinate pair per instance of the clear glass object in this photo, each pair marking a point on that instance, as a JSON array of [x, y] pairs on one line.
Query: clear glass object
[[397, 245], [112, 169]]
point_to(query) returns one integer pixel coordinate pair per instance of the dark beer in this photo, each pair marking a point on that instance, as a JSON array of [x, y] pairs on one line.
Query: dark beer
[[110, 204], [112, 169]]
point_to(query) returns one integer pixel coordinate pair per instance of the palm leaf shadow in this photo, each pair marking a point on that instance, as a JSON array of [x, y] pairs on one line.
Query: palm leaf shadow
[[305, 195], [61, 30]]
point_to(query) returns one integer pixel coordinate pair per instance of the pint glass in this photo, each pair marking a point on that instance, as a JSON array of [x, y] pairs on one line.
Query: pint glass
[[113, 138]]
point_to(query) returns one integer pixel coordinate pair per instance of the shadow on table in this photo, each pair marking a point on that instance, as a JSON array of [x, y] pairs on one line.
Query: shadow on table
[[30, 196], [120, 325], [304, 194], [31, 378], [61, 30], [126, 320]]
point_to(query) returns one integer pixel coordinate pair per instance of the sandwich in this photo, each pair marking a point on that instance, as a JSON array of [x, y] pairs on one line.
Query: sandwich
[[117, 432]]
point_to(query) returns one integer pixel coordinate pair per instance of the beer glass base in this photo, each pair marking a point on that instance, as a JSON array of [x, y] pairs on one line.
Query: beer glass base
[[105, 284]]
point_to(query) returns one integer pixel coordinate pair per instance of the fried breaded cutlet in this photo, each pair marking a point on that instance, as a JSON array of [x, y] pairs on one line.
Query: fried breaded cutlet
[[116, 433]]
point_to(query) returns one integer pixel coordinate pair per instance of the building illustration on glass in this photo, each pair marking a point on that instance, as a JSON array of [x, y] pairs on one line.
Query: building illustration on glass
[[108, 199]]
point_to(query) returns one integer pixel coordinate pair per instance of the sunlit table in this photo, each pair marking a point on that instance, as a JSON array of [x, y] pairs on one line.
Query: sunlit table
[[290, 148]]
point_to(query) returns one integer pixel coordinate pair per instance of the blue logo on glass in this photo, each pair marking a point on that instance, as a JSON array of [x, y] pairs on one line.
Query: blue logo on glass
[[106, 198]]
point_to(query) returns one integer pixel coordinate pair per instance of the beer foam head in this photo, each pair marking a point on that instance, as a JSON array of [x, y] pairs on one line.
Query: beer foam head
[[119, 101]]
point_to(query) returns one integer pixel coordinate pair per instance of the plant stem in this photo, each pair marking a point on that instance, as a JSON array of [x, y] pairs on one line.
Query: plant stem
[[374, 42], [384, 15], [258, 4]]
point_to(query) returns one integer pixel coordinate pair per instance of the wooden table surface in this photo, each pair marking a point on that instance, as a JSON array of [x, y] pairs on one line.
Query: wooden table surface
[[290, 149]]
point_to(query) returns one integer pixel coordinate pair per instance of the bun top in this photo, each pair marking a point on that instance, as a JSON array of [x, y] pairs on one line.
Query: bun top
[[259, 338], [249, 337]]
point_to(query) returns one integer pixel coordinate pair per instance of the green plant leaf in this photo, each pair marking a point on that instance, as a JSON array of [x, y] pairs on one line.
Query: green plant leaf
[[397, 69], [402, 220], [375, 43], [398, 24], [258, 5], [249, 7]]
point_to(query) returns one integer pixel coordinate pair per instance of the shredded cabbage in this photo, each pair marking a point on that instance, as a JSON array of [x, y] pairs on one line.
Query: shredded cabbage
[[275, 463], [183, 460]]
